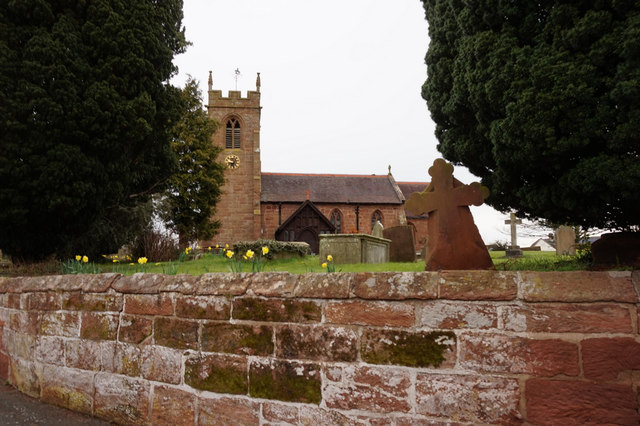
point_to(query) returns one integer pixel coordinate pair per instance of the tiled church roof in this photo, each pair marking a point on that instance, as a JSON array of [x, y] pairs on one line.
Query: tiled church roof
[[363, 189], [409, 188]]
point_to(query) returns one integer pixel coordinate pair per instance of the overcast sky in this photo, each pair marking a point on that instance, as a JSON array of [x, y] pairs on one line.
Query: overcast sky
[[341, 83]]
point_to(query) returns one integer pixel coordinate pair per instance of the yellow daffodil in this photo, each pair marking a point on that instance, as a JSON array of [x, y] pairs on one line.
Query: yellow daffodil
[[217, 245], [229, 254], [265, 250], [115, 260], [249, 254], [226, 246], [85, 259], [329, 258], [209, 248], [324, 265], [198, 247], [244, 257], [78, 257], [142, 260]]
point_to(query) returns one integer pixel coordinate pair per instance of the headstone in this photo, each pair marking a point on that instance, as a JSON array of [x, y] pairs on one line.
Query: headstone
[[402, 247], [513, 250], [565, 241], [617, 249], [453, 239], [377, 229]]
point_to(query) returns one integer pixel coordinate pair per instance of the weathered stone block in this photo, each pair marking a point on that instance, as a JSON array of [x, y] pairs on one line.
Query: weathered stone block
[[608, 359], [576, 403], [50, 350], [273, 284], [78, 301], [228, 411], [203, 307], [285, 381], [121, 399], [217, 373], [577, 286], [222, 284], [122, 359], [280, 413], [4, 367], [173, 406], [24, 322], [148, 304], [175, 333], [99, 326], [413, 349], [570, 318], [140, 283], [43, 301], [65, 324], [457, 315], [83, 354], [365, 388], [68, 388], [237, 339], [161, 364], [317, 343], [477, 399], [518, 355], [24, 346], [25, 375], [13, 300], [324, 286], [370, 313], [276, 310], [396, 285], [478, 285], [134, 329]]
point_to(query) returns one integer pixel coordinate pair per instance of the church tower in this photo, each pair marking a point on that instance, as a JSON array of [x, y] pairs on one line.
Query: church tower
[[238, 210]]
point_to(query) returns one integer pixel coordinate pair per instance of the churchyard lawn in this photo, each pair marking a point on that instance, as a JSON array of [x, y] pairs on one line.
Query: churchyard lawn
[[532, 261]]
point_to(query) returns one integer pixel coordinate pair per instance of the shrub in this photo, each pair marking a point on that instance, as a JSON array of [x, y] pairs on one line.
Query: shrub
[[154, 245], [276, 248]]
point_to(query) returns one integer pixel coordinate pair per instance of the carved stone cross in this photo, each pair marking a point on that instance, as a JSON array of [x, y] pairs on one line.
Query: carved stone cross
[[453, 240], [514, 235]]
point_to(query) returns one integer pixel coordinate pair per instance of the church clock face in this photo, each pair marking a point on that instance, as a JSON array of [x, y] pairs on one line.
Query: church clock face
[[233, 162]]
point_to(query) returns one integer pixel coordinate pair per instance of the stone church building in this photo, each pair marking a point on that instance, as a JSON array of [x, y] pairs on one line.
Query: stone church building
[[295, 207]]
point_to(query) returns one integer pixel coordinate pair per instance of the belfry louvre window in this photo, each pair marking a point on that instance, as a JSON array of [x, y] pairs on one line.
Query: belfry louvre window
[[232, 136]]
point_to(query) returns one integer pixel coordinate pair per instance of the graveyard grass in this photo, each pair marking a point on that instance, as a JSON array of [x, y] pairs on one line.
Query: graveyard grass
[[531, 261]]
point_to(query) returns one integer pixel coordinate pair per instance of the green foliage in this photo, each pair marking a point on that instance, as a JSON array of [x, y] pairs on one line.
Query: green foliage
[[194, 189], [540, 99], [85, 119]]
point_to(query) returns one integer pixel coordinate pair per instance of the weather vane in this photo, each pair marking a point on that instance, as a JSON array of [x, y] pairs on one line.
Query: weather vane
[[237, 75]]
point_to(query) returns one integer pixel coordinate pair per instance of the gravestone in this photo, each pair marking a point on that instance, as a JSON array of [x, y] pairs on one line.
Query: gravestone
[[617, 249], [402, 247], [377, 230], [513, 250], [453, 240], [565, 241]]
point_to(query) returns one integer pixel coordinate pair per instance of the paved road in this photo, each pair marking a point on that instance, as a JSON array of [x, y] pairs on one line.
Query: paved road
[[17, 409]]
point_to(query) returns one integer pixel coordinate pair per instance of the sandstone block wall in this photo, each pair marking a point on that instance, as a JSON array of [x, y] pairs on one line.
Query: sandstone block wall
[[477, 347]]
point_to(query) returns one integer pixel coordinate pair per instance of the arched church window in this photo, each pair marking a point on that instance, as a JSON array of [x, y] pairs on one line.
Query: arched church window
[[232, 135], [376, 216], [336, 220]]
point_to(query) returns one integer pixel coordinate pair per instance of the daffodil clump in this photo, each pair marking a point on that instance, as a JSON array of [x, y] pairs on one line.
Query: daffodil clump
[[80, 265], [329, 265], [236, 260]]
